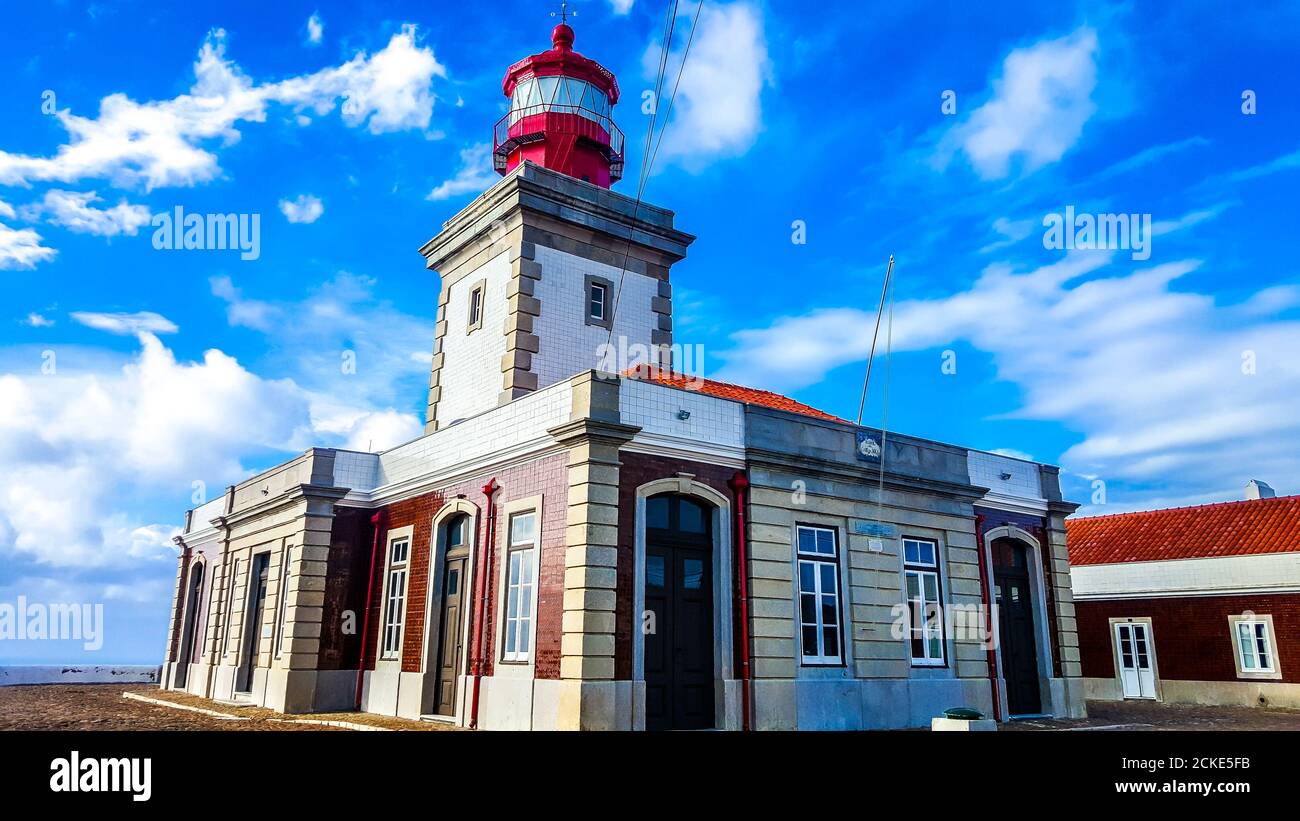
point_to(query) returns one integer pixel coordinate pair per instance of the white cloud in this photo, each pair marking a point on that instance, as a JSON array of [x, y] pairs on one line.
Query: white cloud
[[73, 210], [77, 446], [125, 324], [21, 248], [474, 176], [369, 431], [1152, 376], [389, 91], [250, 313], [1039, 106], [315, 29], [340, 318], [303, 208], [35, 320], [7, 210], [621, 7], [165, 143], [718, 110]]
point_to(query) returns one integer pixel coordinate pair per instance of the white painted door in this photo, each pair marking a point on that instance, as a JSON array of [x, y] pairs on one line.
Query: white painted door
[[1136, 671]]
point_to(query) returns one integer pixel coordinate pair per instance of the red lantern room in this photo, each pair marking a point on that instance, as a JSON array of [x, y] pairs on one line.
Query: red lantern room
[[560, 115]]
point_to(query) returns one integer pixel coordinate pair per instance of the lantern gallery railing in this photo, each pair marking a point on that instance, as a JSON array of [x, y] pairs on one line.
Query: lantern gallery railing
[[530, 124]]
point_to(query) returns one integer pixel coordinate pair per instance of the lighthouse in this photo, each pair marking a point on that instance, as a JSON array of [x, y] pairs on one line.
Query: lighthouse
[[549, 273], [560, 116]]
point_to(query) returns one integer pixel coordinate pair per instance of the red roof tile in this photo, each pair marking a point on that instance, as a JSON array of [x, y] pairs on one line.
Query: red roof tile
[[1224, 529], [724, 390]]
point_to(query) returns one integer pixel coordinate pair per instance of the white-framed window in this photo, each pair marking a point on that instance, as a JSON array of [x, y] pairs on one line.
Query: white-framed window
[[521, 561], [474, 315], [399, 554], [596, 301], [286, 565], [1254, 646], [924, 601], [820, 637], [230, 608], [475, 307]]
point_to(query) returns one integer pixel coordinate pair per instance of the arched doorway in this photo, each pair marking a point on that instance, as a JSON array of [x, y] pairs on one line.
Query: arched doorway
[[455, 535], [678, 620], [1013, 598], [191, 630]]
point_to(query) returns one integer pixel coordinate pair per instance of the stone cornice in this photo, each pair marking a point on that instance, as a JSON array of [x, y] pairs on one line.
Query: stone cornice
[[582, 430], [323, 493], [839, 471], [532, 188]]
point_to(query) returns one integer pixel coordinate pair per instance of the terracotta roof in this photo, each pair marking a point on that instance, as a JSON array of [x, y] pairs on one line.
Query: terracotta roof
[[1224, 529], [725, 390]]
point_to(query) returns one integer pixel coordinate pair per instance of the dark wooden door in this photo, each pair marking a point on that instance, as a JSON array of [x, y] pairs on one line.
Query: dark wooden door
[[679, 650], [450, 634], [1016, 632], [253, 622]]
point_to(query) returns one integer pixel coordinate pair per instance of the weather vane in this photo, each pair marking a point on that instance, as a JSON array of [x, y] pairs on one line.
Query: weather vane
[[564, 14]]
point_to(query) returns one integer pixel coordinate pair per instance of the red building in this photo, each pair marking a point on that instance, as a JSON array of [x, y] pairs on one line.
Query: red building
[[1196, 605]]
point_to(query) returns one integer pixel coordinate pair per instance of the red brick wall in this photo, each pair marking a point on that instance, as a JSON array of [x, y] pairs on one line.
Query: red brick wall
[[638, 469], [345, 588], [1190, 634], [351, 548]]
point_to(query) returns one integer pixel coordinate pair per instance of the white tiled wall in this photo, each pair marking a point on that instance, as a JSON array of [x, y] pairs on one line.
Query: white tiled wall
[[523, 420], [654, 408], [471, 363], [986, 470], [1228, 574], [355, 470], [569, 345]]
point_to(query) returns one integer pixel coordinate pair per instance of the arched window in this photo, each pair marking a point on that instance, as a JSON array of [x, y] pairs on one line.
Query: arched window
[[682, 515]]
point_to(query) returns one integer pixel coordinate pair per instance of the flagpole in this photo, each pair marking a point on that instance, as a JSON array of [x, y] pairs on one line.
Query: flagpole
[[879, 311]]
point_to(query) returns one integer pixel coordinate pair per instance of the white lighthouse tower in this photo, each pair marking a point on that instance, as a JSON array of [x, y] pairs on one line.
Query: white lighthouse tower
[[548, 266]]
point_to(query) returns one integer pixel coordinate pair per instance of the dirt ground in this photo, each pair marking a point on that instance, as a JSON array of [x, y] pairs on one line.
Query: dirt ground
[[1151, 715], [102, 707]]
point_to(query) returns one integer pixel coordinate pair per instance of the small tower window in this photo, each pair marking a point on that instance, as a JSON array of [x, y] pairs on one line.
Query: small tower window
[[599, 305], [475, 316]]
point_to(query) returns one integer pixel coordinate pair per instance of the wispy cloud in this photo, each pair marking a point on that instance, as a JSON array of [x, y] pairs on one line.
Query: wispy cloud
[[1039, 106], [75, 211], [718, 111], [140, 322], [315, 29], [1160, 381], [475, 174], [21, 248], [1150, 155]]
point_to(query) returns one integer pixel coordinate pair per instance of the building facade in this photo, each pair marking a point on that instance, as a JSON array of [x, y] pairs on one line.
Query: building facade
[[1193, 605], [575, 543]]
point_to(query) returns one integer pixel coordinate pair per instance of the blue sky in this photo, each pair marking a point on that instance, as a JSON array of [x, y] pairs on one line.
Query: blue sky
[[354, 129]]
